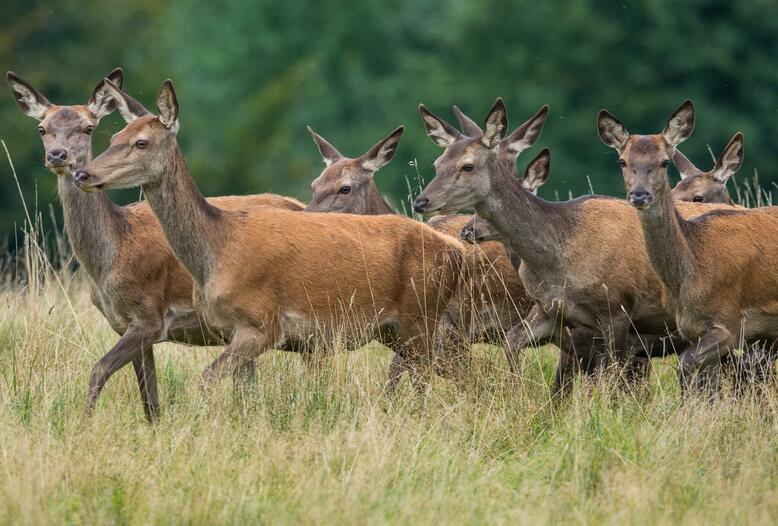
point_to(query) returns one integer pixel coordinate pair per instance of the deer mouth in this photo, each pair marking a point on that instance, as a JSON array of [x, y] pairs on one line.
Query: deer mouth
[[89, 186]]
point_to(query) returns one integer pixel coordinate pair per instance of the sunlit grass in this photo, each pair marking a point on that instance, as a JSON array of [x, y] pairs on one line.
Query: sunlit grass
[[325, 444]]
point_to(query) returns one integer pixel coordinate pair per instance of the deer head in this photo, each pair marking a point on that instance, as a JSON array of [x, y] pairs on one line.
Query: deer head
[[644, 159], [471, 166], [66, 131], [138, 154], [347, 184], [708, 187], [479, 230]]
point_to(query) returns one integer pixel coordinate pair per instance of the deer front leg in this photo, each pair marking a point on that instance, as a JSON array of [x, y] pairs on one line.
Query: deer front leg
[[129, 347], [396, 369], [537, 329], [245, 345], [699, 364], [575, 355], [146, 372]]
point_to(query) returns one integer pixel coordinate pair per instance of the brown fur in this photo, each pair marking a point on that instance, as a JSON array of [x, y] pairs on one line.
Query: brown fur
[[265, 276], [495, 291], [698, 186], [716, 268], [582, 260], [137, 283]]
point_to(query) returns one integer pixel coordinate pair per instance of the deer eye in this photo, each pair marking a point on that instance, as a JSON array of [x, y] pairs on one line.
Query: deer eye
[[665, 163], [344, 190], [468, 167], [89, 129], [698, 199], [141, 144], [623, 163], [41, 130]]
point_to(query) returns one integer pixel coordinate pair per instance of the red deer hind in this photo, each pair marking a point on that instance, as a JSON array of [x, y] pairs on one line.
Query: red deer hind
[[136, 282], [265, 276], [717, 268]]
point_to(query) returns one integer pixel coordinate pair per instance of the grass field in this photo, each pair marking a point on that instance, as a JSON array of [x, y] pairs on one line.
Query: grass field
[[325, 445]]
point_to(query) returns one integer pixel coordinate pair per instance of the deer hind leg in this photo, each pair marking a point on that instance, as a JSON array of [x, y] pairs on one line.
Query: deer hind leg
[[146, 372], [699, 368], [453, 356], [129, 347], [755, 369], [245, 345], [414, 354]]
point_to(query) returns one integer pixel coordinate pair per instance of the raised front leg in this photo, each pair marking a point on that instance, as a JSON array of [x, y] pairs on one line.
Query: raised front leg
[[146, 372], [129, 347], [699, 366], [245, 345], [535, 330]]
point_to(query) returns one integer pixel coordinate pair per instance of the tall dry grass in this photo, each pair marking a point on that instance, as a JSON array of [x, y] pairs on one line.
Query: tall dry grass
[[325, 444]]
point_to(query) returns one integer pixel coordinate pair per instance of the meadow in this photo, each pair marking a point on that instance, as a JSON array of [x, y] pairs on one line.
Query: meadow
[[324, 444]]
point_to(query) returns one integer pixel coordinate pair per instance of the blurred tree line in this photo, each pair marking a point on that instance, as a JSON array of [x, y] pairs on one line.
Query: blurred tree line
[[251, 74]]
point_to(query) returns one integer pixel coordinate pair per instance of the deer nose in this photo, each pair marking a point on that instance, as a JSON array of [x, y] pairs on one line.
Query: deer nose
[[468, 234], [81, 177], [420, 204], [639, 197], [57, 157]]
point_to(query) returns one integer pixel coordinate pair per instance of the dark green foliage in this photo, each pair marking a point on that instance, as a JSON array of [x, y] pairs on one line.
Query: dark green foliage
[[251, 74]]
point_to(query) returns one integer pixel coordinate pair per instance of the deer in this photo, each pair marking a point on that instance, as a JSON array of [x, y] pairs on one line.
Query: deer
[[716, 268], [592, 280], [347, 185], [695, 186], [265, 276], [135, 281], [698, 186]]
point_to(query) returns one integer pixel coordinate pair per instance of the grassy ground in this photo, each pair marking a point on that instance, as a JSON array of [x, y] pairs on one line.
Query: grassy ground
[[324, 445]]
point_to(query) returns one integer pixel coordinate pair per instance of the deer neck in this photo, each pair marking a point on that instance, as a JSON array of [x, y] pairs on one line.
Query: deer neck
[[534, 229], [376, 204], [193, 227], [93, 225], [666, 236]]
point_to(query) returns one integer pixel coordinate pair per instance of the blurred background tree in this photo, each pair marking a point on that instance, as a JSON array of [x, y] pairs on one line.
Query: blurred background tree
[[251, 74]]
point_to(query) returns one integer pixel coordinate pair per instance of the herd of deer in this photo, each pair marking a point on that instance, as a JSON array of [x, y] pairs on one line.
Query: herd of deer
[[611, 282]]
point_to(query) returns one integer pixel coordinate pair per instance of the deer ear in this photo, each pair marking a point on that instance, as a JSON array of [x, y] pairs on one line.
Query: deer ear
[[129, 108], [612, 131], [466, 124], [100, 103], [680, 125], [685, 167], [442, 133], [167, 105], [379, 155], [117, 77], [328, 152], [495, 124], [538, 169], [731, 159], [29, 100], [524, 136]]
